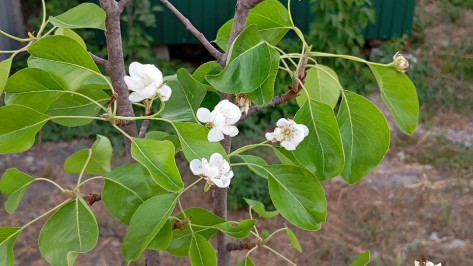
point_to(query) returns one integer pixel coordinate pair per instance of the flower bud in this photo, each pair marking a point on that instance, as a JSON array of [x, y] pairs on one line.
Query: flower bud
[[400, 62]]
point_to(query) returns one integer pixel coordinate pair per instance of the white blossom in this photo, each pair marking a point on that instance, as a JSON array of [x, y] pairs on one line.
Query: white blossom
[[400, 62], [288, 133], [221, 120], [146, 81], [216, 170], [428, 263]]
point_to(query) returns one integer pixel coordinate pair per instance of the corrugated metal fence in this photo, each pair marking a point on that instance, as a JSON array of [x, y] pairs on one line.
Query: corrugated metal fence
[[7, 25]]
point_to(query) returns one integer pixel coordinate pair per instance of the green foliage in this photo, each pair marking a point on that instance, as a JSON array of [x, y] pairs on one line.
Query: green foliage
[[338, 28], [347, 136], [362, 259]]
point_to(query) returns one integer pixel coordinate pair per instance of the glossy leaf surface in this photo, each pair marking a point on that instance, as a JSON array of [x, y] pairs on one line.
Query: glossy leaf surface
[[258, 161], [321, 151], [13, 184], [187, 95], [399, 94], [8, 236], [5, 66], [362, 259], [145, 224], [297, 195], [86, 15], [365, 136], [322, 86], [19, 127], [237, 231], [134, 184], [201, 252], [293, 239], [97, 158], [158, 158], [71, 230], [259, 208]]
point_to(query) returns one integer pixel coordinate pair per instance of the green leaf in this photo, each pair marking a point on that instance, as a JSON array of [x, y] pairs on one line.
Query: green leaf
[[181, 239], [160, 135], [209, 68], [265, 93], [293, 239], [71, 34], [86, 15], [187, 95], [365, 136], [201, 252], [255, 160], [162, 240], [134, 184], [158, 158], [75, 105], [96, 159], [259, 208], [71, 230], [34, 88], [8, 236], [238, 231], [286, 157], [362, 259], [19, 127], [297, 195], [145, 224], [194, 142], [5, 66], [64, 59], [14, 184], [321, 151], [249, 64], [272, 28], [399, 94], [245, 262], [322, 85]]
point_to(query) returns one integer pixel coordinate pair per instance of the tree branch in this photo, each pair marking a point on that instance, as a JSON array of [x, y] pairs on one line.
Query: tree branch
[[99, 61], [116, 67], [240, 245], [144, 128], [212, 50], [122, 4]]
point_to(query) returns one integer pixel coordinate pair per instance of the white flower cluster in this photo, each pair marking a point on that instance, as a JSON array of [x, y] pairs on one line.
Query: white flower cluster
[[428, 263], [216, 170], [400, 62], [146, 81], [221, 120], [288, 133]]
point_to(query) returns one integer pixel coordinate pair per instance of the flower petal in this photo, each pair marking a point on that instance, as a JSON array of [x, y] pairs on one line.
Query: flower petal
[[136, 97], [149, 91], [216, 159], [212, 172], [136, 69], [270, 136], [153, 73], [215, 135], [203, 114], [288, 145], [231, 131], [196, 167], [133, 83], [165, 92], [221, 183], [282, 122]]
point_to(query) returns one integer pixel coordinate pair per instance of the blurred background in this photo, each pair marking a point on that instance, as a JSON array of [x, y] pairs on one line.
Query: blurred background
[[415, 206]]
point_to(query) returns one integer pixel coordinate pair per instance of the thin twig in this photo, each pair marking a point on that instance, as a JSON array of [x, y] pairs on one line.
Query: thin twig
[[98, 60], [240, 245], [144, 128], [212, 50], [92, 198]]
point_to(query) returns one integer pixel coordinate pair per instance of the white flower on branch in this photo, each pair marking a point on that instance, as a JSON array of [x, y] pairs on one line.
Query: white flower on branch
[[221, 120], [428, 263], [288, 133], [146, 81], [216, 170], [400, 62]]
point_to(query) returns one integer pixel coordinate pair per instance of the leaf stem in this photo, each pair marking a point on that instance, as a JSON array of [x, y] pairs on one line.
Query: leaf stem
[[83, 169], [43, 23], [44, 214], [248, 147], [280, 255], [182, 209], [15, 38], [275, 232], [348, 57], [90, 179], [191, 185], [50, 181]]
